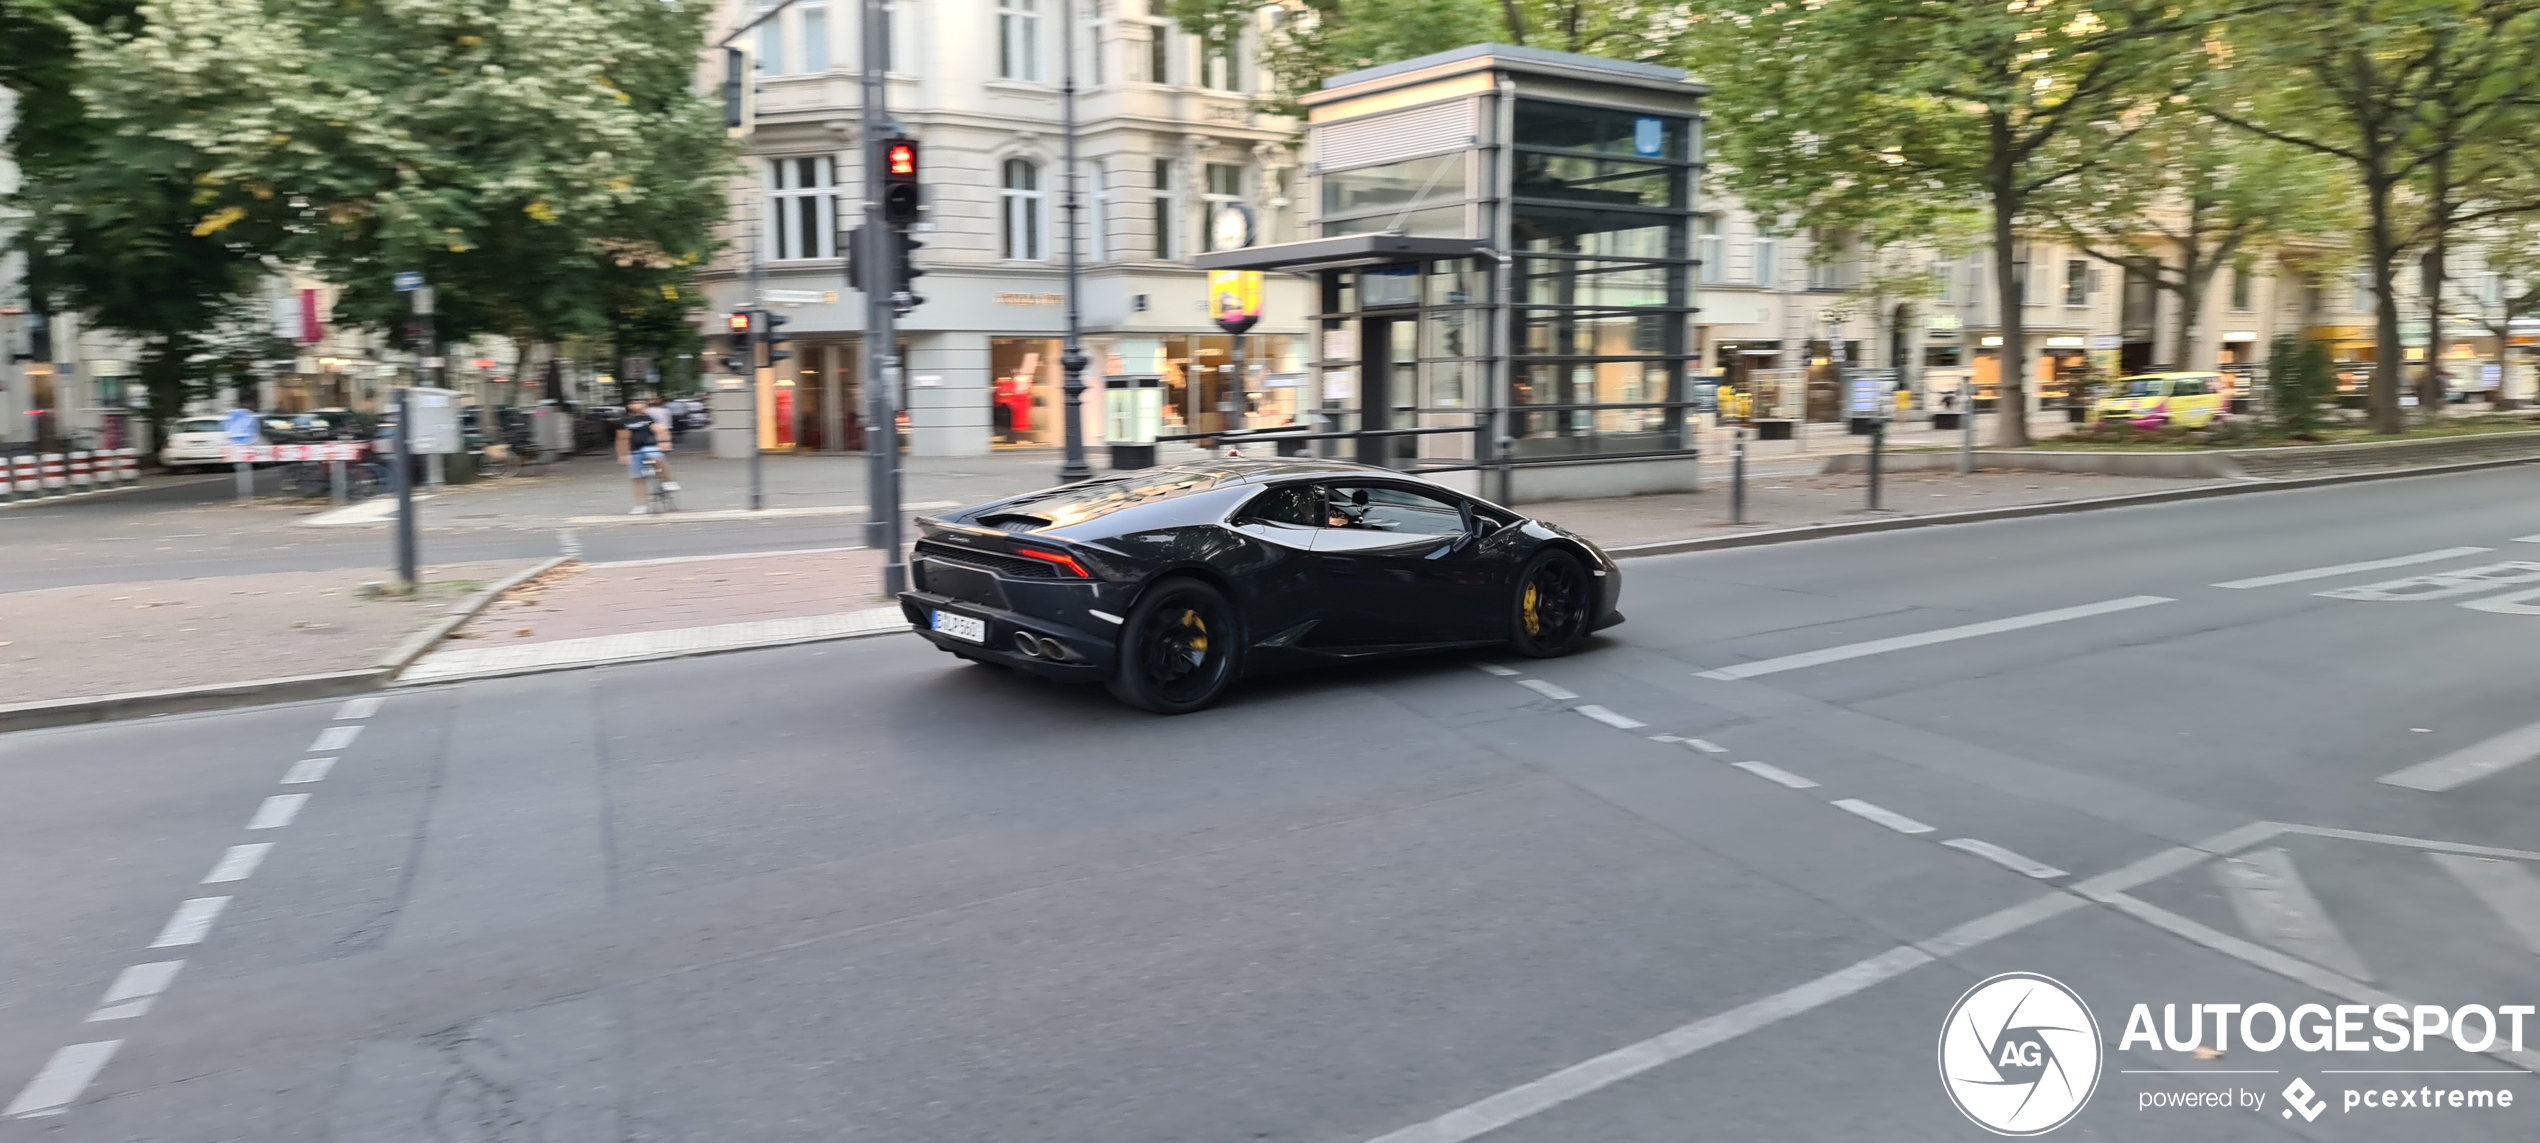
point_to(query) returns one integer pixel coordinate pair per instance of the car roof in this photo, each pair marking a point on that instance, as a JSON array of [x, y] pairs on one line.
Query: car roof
[[2164, 376], [1251, 470]]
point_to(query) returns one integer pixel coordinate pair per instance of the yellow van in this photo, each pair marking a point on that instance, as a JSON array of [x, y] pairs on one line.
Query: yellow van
[[2188, 400]]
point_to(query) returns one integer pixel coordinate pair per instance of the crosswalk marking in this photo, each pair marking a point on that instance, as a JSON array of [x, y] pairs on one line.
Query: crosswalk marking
[[62, 1079], [2277, 908], [2504, 886], [2470, 763], [2348, 569]]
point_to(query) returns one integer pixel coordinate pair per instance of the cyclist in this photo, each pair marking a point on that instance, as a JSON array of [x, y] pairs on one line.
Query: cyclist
[[640, 439]]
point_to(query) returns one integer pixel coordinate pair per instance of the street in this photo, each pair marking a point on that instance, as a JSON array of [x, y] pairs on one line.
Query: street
[[1720, 876]]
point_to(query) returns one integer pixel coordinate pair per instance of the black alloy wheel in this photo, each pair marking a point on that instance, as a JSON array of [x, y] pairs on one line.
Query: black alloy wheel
[[1550, 613], [1180, 650]]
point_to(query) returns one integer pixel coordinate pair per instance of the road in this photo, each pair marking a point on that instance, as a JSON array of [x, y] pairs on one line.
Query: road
[[1721, 876]]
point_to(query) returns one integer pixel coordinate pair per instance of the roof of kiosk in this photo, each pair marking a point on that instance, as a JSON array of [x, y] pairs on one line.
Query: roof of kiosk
[[1521, 62], [1342, 252]]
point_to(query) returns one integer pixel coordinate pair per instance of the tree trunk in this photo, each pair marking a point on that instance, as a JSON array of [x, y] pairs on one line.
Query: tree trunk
[[2011, 392], [2381, 398], [2430, 387], [2504, 357]]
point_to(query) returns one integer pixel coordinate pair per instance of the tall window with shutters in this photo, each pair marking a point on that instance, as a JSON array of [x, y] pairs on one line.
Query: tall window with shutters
[[802, 212]]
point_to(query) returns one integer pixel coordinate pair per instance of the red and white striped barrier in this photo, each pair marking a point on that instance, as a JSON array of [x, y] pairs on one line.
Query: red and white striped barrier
[[128, 467], [56, 482], [273, 454], [83, 478], [26, 482]]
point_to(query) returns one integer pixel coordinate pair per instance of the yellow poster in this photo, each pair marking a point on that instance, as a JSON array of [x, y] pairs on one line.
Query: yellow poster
[[1234, 298]]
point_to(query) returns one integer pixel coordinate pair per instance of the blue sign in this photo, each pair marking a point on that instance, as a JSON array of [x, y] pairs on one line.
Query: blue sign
[[408, 282], [239, 427], [1649, 136]]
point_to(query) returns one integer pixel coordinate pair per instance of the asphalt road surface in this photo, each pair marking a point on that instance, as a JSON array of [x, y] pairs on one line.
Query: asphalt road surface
[[1722, 876]]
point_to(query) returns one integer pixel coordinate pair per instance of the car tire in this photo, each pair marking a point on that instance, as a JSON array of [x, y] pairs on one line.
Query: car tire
[[1180, 650], [1551, 609]]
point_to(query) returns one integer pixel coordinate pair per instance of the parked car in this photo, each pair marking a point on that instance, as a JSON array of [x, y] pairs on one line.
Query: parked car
[[2186, 400], [193, 442], [1168, 584]]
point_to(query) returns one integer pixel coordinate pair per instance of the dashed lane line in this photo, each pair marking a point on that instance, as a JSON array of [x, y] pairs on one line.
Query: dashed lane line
[[1927, 638], [134, 989], [2348, 569], [1552, 691], [308, 770], [1609, 718], [1881, 814], [1495, 669], [2527, 539], [2025, 866], [1772, 773], [1706, 746], [239, 863], [2470, 763], [62, 1079], [191, 923], [357, 708], [334, 738], [277, 811]]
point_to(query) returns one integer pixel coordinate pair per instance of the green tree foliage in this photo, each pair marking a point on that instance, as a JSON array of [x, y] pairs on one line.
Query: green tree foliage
[[1893, 119], [2299, 378]]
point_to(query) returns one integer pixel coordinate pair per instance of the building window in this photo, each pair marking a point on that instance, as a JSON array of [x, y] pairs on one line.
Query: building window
[[1157, 60], [1019, 40], [2362, 299], [2243, 283], [1219, 67], [771, 42], [1830, 266], [2076, 282], [1711, 249], [1767, 261], [1023, 213], [1165, 246], [802, 208], [1093, 43], [815, 19], [1101, 177], [1944, 282]]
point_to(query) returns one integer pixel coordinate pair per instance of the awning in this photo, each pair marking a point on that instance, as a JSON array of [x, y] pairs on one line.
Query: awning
[[1342, 252]]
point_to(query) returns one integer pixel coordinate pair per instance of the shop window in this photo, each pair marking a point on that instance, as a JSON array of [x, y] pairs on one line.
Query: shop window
[[1024, 215], [802, 208], [1019, 40]]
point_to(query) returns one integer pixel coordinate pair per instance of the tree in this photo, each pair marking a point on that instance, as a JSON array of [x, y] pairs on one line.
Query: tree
[[1886, 118], [2399, 91], [2187, 197]]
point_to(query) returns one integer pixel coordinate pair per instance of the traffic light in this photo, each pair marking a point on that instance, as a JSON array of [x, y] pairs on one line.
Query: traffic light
[[773, 336], [743, 359], [855, 258], [739, 89], [904, 295], [899, 181]]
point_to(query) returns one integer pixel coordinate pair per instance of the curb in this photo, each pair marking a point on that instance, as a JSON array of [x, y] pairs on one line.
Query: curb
[[653, 656], [257, 692], [67, 500], [2020, 511]]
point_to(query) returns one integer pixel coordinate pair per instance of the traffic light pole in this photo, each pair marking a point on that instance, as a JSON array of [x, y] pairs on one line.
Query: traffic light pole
[[881, 340]]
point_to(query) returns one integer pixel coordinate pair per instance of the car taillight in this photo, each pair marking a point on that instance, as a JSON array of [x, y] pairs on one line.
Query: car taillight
[[1062, 559]]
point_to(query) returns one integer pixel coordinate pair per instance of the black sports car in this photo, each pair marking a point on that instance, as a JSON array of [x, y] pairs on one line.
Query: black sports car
[[1167, 584]]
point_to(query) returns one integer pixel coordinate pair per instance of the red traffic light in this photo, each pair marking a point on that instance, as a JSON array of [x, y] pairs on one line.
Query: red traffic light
[[899, 159], [738, 323]]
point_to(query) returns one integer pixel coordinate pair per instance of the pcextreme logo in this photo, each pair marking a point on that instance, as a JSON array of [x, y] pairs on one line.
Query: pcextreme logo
[[2020, 1054]]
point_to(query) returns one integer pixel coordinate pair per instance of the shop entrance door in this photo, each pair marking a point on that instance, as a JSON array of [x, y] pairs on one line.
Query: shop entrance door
[[1389, 393]]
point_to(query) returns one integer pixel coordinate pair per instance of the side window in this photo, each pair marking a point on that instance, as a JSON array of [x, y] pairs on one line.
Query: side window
[[1390, 509], [1296, 505], [2188, 387]]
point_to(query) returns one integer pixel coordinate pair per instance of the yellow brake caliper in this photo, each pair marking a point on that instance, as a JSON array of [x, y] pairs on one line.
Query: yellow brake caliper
[[1196, 644], [1534, 622]]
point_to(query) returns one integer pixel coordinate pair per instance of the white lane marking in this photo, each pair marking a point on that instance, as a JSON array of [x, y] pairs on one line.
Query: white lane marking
[[2424, 843], [1495, 669], [239, 863], [334, 738], [308, 770], [1882, 815], [277, 811], [1484, 1116], [1772, 773], [1944, 635], [363, 707], [2506, 887], [2470, 763], [1664, 738], [2277, 908], [2348, 569], [1706, 746], [63, 1078], [1547, 690], [134, 989], [2510, 603], [2527, 539], [569, 543], [2025, 866], [1609, 718], [192, 922], [2442, 585]]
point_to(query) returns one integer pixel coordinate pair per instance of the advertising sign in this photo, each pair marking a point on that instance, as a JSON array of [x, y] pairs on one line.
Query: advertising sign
[[1234, 299]]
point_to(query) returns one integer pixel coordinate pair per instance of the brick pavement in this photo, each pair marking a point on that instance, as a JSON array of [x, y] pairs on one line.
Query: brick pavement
[[583, 600], [117, 638]]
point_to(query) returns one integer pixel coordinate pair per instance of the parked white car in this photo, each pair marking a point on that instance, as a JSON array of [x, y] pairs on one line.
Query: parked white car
[[193, 441]]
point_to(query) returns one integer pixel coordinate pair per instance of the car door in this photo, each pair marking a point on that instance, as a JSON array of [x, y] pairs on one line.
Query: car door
[[1401, 564], [1279, 578], [2199, 400]]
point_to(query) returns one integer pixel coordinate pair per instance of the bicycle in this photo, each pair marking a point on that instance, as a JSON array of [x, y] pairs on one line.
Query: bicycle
[[315, 479], [504, 458], [659, 497]]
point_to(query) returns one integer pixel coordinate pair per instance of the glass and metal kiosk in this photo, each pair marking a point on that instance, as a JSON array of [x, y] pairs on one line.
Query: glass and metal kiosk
[[1503, 261]]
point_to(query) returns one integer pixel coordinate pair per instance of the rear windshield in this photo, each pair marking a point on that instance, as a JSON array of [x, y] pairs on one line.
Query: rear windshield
[[1077, 503], [199, 425]]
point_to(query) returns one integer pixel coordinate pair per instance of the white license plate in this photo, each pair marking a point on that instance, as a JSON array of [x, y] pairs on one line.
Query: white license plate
[[963, 627]]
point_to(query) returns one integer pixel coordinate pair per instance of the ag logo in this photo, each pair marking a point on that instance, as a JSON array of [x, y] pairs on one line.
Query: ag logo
[[2020, 1054]]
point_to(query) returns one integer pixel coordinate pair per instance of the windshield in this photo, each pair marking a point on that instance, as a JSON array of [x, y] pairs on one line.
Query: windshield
[[2147, 387], [199, 425], [1077, 503]]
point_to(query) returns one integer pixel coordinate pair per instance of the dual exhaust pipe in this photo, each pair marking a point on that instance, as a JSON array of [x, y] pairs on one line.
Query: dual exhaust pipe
[[1039, 647]]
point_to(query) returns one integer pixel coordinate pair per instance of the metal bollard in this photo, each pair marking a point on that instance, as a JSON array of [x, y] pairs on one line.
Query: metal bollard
[[83, 478], [335, 482], [55, 483], [1878, 445], [1737, 479]]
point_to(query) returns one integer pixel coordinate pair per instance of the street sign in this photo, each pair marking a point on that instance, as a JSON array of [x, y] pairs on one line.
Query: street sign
[[2107, 341], [408, 281], [798, 297], [239, 427]]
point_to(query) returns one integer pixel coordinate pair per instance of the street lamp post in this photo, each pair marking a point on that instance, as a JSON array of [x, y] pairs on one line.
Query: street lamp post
[[1072, 361]]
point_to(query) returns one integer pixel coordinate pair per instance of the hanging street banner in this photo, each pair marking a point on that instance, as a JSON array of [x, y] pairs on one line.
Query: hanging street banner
[[1234, 299]]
